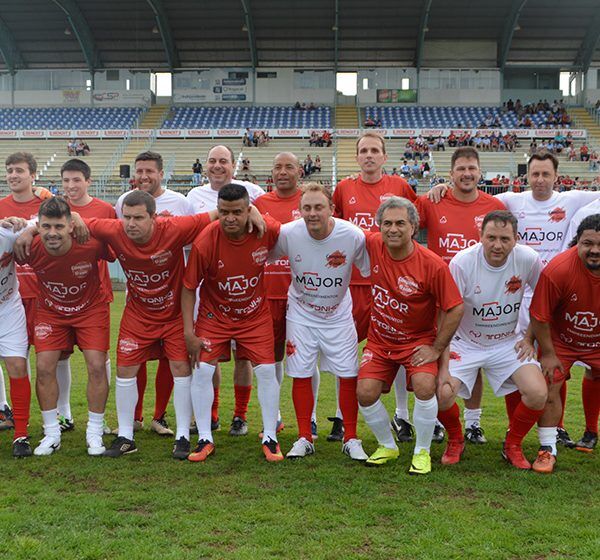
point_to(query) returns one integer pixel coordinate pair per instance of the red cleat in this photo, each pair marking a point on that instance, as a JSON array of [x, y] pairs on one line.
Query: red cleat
[[453, 453], [272, 451], [513, 454]]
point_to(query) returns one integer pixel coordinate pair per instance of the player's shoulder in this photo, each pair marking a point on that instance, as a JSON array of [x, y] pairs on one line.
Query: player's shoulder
[[199, 192], [344, 227], [269, 198], [253, 189], [525, 253], [173, 195], [466, 257], [563, 263], [396, 181], [427, 255]]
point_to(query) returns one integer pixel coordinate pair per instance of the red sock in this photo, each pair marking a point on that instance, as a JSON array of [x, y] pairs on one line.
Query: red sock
[[304, 400], [511, 401], [20, 397], [522, 421], [141, 380], [349, 406], [214, 411], [163, 386], [563, 399], [590, 395], [242, 398], [451, 420]]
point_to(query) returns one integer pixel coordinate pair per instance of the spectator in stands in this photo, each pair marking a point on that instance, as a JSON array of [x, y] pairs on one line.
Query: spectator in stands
[[452, 140], [584, 152], [269, 184], [246, 165], [53, 188], [314, 139], [440, 144], [197, 172], [409, 150], [307, 165], [378, 123], [71, 146], [571, 153], [404, 169], [317, 164], [416, 170], [594, 161], [426, 169], [251, 138], [394, 171], [414, 183], [326, 139], [369, 123], [246, 140]]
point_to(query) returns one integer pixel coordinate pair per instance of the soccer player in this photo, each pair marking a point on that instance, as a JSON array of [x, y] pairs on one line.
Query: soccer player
[[229, 264], [357, 200], [321, 250], [219, 170], [492, 277], [409, 284], [565, 316]]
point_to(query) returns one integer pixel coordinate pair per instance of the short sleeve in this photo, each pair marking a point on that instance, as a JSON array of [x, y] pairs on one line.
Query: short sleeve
[[545, 299]]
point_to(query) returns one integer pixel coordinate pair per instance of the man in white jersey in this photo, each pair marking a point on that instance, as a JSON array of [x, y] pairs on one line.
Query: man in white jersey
[[321, 250], [219, 170], [492, 276], [584, 212]]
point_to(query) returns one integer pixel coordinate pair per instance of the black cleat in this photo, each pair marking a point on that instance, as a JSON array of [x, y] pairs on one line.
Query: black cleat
[[474, 434], [7, 422], [439, 433], [563, 438], [587, 442], [21, 448], [239, 427], [66, 424], [403, 429], [337, 430], [215, 425], [181, 449], [120, 446]]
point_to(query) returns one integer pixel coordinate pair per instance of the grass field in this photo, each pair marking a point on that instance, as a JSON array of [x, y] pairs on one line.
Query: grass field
[[147, 505]]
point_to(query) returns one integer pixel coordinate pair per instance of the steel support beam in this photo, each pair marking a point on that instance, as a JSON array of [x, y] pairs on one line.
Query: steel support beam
[[336, 35], [250, 30], [9, 50], [589, 44], [162, 21], [509, 29], [421, 34]]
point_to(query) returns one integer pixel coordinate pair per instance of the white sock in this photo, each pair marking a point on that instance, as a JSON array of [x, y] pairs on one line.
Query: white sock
[[472, 417], [95, 425], [315, 382], [63, 378], [424, 415], [203, 394], [547, 437], [182, 401], [108, 370], [401, 394], [377, 419], [268, 397], [126, 396], [338, 410], [3, 401], [50, 422]]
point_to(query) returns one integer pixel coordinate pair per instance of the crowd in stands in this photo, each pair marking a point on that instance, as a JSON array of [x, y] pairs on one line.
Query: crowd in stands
[[320, 140], [254, 138], [373, 123], [304, 106], [555, 114], [77, 147]]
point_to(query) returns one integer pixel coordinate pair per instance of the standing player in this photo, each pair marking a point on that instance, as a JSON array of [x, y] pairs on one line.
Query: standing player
[[322, 250], [357, 200], [229, 264], [409, 284], [565, 316], [219, 170]]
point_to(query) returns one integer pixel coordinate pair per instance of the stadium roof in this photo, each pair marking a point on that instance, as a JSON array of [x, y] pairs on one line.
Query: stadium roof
[[344, 34]]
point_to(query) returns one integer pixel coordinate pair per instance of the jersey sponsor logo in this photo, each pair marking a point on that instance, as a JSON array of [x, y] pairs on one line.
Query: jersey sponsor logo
[[60, 290], [536, 236], [366, 358], [475, 334], [585, 321], [557, 215], [296, 215], [386, 196], [352, 201], [128, 345], [81, 269], [312, 281], [455, 356], [336, 259], [43, 330], [493, 310], [443, 220], [238, 285], [260, 255], [478, 222], [363, 220], [161, 258], [224, 308], [455, 242], [513, 285], [407, 285], [141, 278], [382, 298], [165, 213], [290, 348], [6, 259]]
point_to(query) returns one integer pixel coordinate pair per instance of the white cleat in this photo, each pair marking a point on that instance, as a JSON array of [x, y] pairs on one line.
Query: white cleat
[[95, 445], [47, 446], [301, 448], [353, 448]]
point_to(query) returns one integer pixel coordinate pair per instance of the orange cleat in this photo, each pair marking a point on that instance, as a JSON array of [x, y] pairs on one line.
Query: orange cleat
[[453, 452], [203, 451], [272, 451], [513, 454], [544, 462]]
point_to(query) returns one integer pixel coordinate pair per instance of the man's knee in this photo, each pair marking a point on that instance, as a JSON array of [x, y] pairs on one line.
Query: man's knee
[[367, 393], [423, 386]]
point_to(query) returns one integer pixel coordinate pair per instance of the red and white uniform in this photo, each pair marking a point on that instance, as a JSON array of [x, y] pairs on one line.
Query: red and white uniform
[[233, 302], [204, 198], [584, 212], [492, 298], [357, 202], [169, 203], [319, 316], [406, 296], [567, 297]]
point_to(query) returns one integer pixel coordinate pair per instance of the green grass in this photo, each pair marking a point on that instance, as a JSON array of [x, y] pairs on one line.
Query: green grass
[[236, 505]]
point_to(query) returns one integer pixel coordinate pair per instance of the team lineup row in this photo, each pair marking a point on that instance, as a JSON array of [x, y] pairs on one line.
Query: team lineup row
[[290, 288]]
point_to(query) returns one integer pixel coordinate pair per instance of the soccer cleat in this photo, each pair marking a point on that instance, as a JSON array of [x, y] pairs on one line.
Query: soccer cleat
[[202, 451], [272, 451], [279, 428], [474, 434], [239, 427], [337, 430], [314, 432], [7, 421], [47, 446], [453, 453], [563, 438], [95, 445], [66, 424], [181, 448], [215, 425], [421, 463], [381, 456], [161, 427], [120, 446], [354, 449], [301, 448], [105, 429], [138, 425], [403, 429], [439, 433], [21, 448], [513, 454], [545, 461], [587, 442]]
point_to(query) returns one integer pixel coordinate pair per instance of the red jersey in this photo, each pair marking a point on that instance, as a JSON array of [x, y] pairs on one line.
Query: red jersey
[[453, 225], [155, 269], [69, 284], [284, 210], [99, 209], [407, 294], [28, 287], [566, 296], [357, 202], [231, 272]]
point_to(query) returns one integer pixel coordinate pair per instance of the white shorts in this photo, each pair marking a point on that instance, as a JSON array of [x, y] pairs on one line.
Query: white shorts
[[337, 348], [499, 362], [13, 334]]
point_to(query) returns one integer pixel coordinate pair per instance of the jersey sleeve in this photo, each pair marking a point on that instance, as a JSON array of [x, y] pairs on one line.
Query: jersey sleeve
[[336, 198], [103, 229], [545, 299], [196, 268], [534, 273], [422, 204], [445, 290], [190, 226], [119, 206], [273, 230], [361, 257], [408, 191], [585, 197], [280, 247], [457, 274]]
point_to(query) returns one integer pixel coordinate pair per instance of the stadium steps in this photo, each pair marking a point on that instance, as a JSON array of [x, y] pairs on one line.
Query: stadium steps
[[136, 146], [154, 117], [584, 120], [346, 116]]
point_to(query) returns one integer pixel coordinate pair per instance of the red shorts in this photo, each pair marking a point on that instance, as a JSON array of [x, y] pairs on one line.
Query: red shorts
[[141, 341], [30, 305], [278, 308], [384, 365], [89, 330], [568, 356], [253, 339], [362, 298]]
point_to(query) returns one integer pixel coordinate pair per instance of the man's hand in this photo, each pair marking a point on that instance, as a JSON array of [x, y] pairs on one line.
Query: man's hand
[[525, 350], [14, 223], [256, 221], [80, 230], [23, 243], [549, 363], [424, 354], [435, 194], [195, 346]]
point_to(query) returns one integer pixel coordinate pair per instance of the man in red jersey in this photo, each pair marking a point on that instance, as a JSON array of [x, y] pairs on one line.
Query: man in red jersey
[[565, 316], [71, 309], [452, 225], [229, 263], [357, 200], [409, 284]]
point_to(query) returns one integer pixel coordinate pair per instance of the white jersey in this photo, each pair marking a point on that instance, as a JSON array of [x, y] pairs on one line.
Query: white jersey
[[204, 198], [593, 208], [492, 295], [169, 203], [321, 269], [9, 285]]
